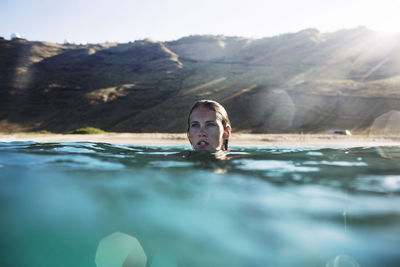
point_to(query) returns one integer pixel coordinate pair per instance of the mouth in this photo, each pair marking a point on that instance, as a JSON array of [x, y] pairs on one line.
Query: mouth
[[202, 144]]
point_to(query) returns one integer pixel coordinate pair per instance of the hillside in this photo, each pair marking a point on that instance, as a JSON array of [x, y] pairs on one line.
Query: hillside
[[297, 82]]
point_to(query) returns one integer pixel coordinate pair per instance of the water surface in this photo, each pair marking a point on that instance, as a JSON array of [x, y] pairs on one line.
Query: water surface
[[269, 206]]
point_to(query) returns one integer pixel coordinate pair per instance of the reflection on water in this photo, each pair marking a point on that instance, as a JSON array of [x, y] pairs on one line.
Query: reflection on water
[[266, 206]]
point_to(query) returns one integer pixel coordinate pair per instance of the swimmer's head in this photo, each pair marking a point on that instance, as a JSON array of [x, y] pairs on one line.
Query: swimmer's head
[[209, 127]]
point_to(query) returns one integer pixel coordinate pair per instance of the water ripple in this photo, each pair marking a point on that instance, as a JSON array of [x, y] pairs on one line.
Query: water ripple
[[272, 165]]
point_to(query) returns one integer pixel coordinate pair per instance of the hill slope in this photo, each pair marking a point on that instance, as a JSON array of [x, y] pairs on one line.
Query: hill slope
[[298, 82]]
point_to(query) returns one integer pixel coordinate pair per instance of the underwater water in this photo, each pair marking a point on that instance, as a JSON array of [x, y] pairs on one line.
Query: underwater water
[[266, 206]]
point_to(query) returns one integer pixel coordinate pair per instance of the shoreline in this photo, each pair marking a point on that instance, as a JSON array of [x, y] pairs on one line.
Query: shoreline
[[237, 139]]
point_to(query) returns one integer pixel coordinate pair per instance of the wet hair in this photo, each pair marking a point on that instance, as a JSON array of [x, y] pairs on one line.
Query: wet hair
[[219, 110]]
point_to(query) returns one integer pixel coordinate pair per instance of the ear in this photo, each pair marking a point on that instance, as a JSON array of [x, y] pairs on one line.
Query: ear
[[227, 132]]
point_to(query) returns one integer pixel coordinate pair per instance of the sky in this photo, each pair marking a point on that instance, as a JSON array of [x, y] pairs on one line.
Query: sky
[[97, 21]]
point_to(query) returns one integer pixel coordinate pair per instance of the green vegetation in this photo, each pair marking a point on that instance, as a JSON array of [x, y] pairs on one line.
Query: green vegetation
[[25, 133], [40, 132], [87, 130]]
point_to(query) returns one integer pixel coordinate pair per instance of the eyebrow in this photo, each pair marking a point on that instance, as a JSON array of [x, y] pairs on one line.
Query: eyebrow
[[206, 121]]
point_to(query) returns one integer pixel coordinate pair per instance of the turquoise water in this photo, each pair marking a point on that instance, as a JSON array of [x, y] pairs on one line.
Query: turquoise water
[[269, 206]]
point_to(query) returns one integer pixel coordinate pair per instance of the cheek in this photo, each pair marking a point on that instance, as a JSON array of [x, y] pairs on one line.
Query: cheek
[[192, 133], [218, 132]]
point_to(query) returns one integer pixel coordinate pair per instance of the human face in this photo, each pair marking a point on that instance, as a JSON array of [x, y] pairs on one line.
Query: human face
[[206, 131]]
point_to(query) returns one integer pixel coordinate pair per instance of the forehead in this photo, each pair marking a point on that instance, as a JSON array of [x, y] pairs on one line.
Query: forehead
[[204, 114]]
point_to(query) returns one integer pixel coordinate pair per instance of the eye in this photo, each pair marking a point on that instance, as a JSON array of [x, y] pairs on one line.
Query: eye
[[194, 125], [211, 124]]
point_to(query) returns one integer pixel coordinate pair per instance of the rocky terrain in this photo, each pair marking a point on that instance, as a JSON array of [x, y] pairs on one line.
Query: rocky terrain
[[297, 82]]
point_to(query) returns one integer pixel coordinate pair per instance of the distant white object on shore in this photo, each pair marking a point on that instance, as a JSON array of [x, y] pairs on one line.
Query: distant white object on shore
[[339, 132], [15, 35]]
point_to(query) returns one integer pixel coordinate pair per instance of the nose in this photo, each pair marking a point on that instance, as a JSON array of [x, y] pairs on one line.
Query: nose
[[202, 132]]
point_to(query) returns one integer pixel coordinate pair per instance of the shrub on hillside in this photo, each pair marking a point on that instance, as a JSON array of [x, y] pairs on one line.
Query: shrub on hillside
[[87, 130]]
